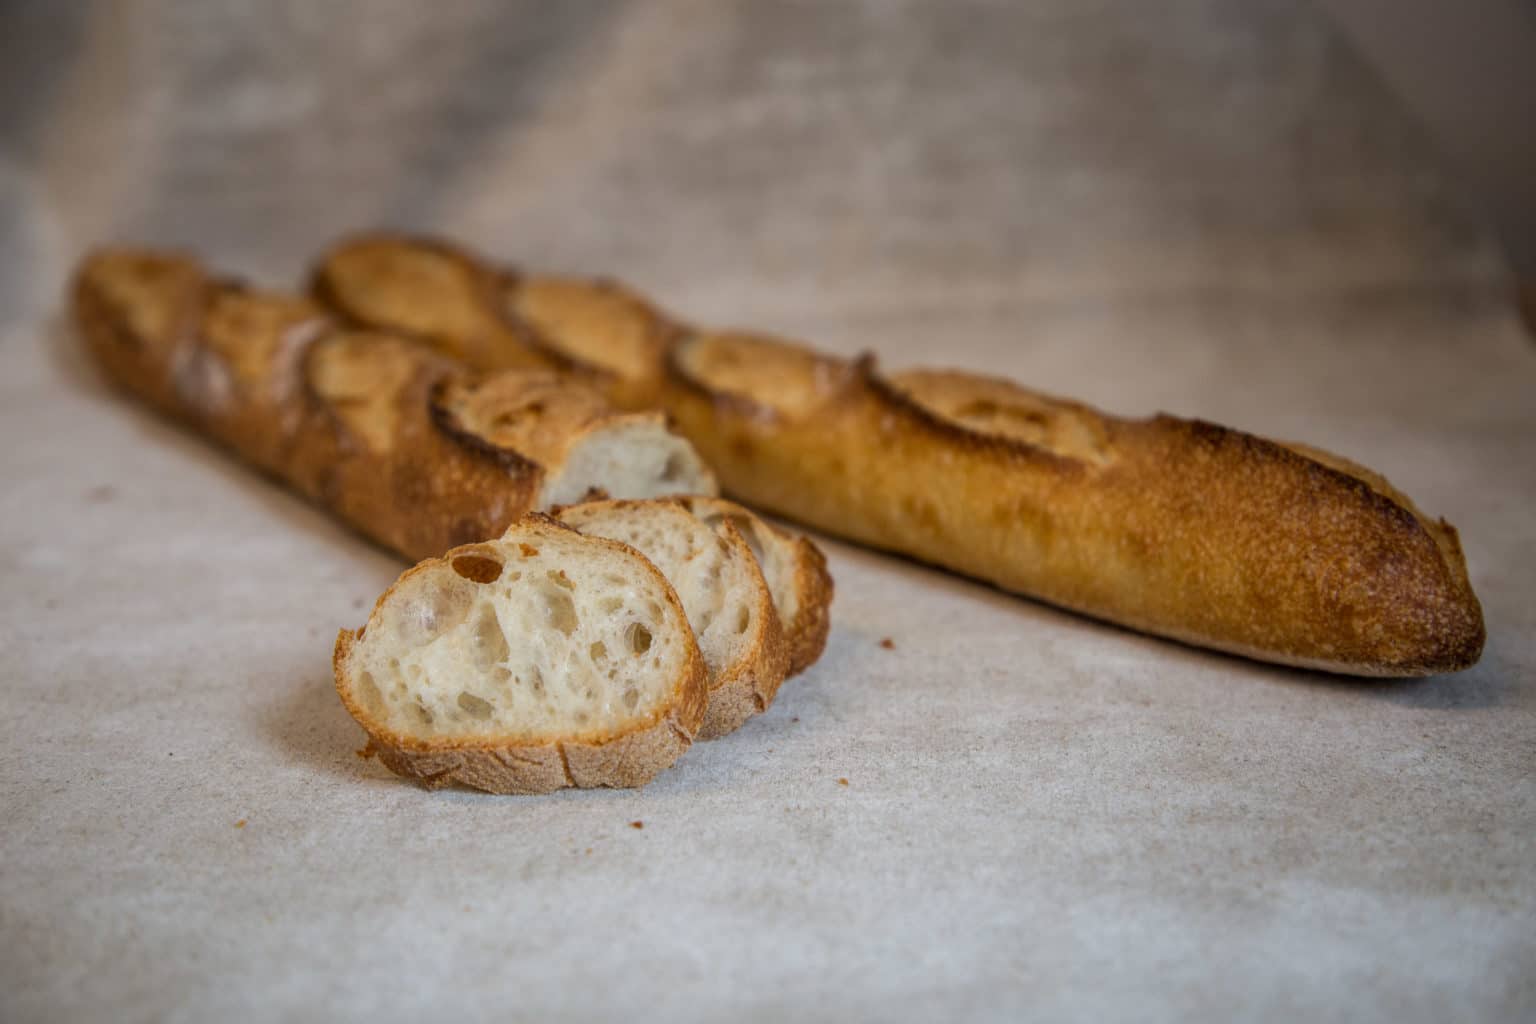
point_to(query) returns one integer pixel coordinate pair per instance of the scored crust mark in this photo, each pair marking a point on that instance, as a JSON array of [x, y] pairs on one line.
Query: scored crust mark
[[382, 280], [962, 431], [725, 369], [999, 408], [449, 424]]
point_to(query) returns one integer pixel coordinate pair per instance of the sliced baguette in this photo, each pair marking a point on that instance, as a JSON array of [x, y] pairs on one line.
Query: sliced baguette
[[794, 569], [1175, 527], [722, 589], [527, 664], [406, 445]]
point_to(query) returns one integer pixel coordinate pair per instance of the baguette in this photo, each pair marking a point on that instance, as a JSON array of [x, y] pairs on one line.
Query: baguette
[[723, 592], [1175, 527], [1180, 528], [526, 664], [406, 445]]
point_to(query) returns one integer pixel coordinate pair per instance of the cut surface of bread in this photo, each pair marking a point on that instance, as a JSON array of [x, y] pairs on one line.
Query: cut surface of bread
[[722, 589], [584, 445], [526, 664], [793, 567]]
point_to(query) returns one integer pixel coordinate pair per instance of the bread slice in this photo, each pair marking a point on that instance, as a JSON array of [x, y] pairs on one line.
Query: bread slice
[[541, 660], [722, 589], [795, 570]]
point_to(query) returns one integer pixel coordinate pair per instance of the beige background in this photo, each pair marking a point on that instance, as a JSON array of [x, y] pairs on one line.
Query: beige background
[[1205, 207]]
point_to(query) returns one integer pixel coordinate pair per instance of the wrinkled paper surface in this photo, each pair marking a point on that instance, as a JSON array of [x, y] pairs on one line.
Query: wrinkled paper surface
[[1207, 208]]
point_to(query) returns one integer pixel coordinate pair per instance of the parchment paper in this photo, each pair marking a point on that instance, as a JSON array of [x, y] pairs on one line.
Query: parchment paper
[[1203, 207]]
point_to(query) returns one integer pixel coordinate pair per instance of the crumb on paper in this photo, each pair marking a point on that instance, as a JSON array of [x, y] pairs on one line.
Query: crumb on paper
[[888, 643], [358, 602], [240, 823], [637, 824], [101, 494], [795, 719], [842, 782], [589, 851]]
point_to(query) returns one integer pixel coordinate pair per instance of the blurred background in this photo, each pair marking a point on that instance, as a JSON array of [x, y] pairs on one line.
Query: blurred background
[[1064, 179]]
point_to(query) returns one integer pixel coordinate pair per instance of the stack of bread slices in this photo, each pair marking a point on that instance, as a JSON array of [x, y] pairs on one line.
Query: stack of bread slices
[[585, 649]]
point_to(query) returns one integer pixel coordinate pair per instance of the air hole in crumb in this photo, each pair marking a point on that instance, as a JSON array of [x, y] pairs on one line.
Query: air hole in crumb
[[598, 651], [560, 611], [478, 568], [673, 470], [561, 579], [368, 690], [422, 713], [638, 637], [476, 707], [631, 698], [528, 550], [536, 681], [487, 640], [501, 674], [743, 619], [609, 605]]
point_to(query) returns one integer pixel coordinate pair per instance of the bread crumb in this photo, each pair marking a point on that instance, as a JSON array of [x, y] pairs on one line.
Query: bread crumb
[[240, 823], [637, 824], [842, 782], [888, 643]]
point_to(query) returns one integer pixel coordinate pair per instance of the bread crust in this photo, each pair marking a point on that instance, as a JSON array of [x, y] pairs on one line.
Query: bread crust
[[1175, 527], [493, 317], [625, 758], [750, 684], [406, 445]]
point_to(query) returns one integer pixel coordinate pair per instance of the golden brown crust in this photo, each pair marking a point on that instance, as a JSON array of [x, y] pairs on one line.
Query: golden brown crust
[[813, 617], [1170, 526], [494, 317], [406, 445], [521, 765], [431, 290]]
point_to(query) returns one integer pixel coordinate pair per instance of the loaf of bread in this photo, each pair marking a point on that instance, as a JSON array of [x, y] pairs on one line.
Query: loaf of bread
[[526, 664], [1181, 528], [415, 450], [723, 592]]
